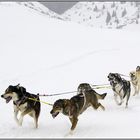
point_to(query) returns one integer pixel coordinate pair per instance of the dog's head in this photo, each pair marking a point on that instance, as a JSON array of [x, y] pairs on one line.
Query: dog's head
[[110, 76], [114, 78], [138, 68], [57, 107], [132, 75], [13, 92], [84, 87]]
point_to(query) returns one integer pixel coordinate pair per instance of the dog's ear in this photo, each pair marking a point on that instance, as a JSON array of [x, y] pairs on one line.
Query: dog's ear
[[117, 75], [89, 87], [138, 68], [18, 86], [65, 102], [110, 73], [22, 89]]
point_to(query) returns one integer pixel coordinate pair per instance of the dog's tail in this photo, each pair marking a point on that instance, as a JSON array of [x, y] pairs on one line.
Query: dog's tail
[[101, 96]]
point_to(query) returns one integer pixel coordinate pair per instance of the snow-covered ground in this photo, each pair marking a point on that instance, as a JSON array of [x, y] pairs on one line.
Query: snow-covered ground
[[49, 56]]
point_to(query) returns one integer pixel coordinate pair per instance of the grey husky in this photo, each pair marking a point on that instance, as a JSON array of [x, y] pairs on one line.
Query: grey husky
[[120, 87]]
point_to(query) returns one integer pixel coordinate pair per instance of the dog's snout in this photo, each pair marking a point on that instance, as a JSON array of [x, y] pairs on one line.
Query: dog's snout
[[51, 111], [2, 96]]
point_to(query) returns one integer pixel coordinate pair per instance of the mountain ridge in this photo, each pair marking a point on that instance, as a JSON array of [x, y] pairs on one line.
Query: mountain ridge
[[104, 14]]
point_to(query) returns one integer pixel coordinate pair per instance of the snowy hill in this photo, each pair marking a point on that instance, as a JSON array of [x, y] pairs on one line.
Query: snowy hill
[[35, 6], [104, 14], [47, 55]]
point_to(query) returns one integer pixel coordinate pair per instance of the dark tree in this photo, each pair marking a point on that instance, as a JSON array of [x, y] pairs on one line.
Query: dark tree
[[108, 18], [124, 13]]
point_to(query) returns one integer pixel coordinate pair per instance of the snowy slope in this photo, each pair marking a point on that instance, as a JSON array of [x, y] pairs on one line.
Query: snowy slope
[[104, 14], [36, 7], [49, 56]]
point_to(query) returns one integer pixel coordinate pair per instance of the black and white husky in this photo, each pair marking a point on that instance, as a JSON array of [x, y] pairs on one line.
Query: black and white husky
[[120, 87], [22, 103]]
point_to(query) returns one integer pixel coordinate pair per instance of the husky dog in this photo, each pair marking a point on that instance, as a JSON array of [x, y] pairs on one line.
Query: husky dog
[[76, 105], [121, 88], [135, 80], [22, 103]]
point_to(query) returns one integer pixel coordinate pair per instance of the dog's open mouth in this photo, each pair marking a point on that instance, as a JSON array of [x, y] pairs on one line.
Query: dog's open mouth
[[8, 99], [55, 114]]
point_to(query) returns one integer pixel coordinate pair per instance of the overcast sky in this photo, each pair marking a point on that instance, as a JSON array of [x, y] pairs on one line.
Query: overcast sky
[[59, 7]]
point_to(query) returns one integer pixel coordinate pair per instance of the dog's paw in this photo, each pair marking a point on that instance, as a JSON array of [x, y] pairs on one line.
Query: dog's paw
[[17, 121], [35, 126], [69, 133], [120, 103], [20, 122], [126, 107], [103, 108]]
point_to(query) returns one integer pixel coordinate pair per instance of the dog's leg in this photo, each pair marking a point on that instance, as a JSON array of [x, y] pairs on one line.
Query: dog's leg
[[98, 105], [72, 128], [35, 117], [22, 116], [116, 99], [71, 119], [16, 110], [74, 121], [136, 90], [101, 106], [127, 98], [35, 120], [121, 100]]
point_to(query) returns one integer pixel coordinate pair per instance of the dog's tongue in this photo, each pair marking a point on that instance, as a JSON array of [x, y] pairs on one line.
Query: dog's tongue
[[8, 99], [55, 114]]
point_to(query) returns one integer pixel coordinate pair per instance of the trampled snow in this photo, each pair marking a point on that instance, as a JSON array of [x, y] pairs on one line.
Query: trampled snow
[[48, 55]]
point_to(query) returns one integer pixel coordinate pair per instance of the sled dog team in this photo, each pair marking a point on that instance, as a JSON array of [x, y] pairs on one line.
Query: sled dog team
[[75, 106]]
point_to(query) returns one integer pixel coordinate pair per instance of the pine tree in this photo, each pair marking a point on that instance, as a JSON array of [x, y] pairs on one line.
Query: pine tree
[[90, 17], [114, 14], [138, 16], [116, 20], [108, 18], [95, 8], [103, 7], [113, 5], [124, 13]]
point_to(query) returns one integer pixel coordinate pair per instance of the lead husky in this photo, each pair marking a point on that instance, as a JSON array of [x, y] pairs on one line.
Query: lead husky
[[135, 80], [121, 88], [22, 103]]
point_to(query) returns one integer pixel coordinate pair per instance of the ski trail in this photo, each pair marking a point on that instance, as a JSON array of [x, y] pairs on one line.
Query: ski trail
[[66, 63], [73, 60], [79, 58]]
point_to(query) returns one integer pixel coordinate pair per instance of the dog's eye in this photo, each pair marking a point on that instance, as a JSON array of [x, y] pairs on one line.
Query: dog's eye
[[57, 108], [6, 90]]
